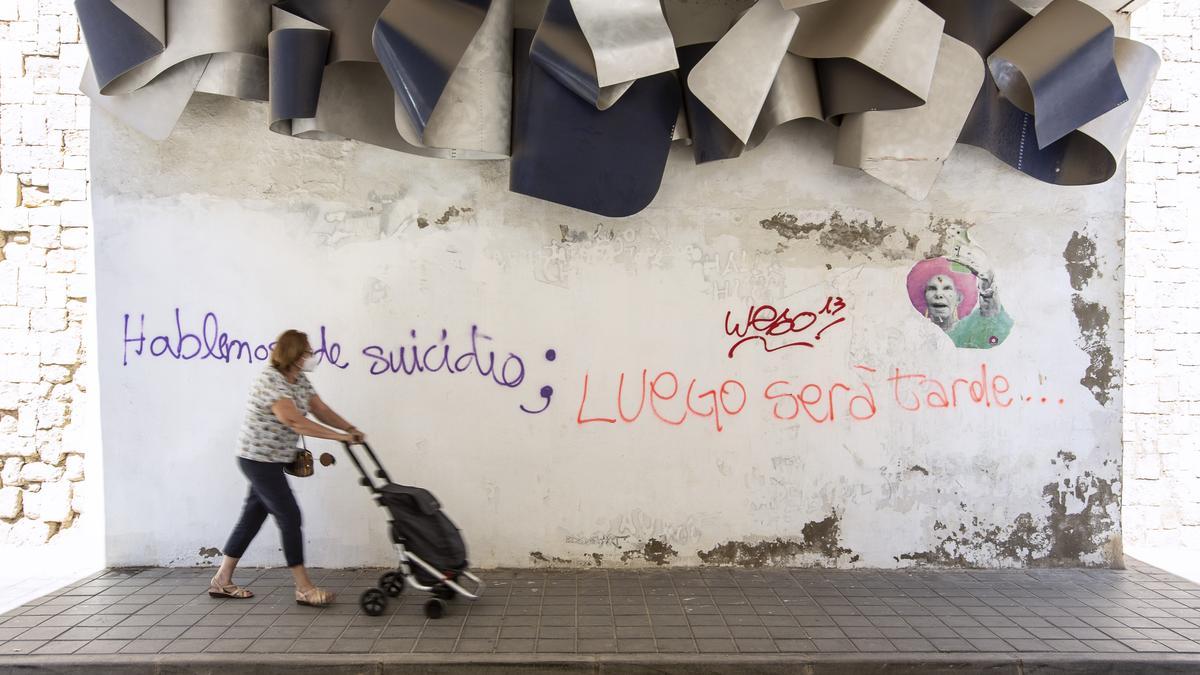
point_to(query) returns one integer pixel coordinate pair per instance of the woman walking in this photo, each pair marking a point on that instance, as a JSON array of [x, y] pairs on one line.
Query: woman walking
[[276, 416]]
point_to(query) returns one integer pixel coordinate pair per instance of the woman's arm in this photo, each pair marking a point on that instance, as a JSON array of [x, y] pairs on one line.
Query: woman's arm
[[285, 409], [324, 413]]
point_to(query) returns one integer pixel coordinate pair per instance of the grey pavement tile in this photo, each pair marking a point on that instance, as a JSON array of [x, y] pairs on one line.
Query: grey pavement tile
[[744, 632], [913, 645], [60, 647], [825, 632], [269, 645], [1146, 646], [185, 646], [755, 645], [595, 645], [424, 645], [322, 632], [1050, 633], [1183, 646], [393, 632], [873, 645], [1159, 634], [280, 632], [106, 621], [952, 645], [140, 646], [140, 620], [42, 633], [313, 646], [102, 647], [66, 620], [514, 645], [228, 645], [1068, 646], [162, 633], [835, 645], [1106, 646], [465, 645], [557, 645], [556, 632], [393, 645], [791, 645], [636, 645], [123, 632], [899, 632], [990, 645], [247, 632]]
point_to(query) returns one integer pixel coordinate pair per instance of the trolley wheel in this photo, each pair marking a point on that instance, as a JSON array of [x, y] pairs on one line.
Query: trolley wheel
[[434, 608], [392, 583], [373, 601], [443, 592]]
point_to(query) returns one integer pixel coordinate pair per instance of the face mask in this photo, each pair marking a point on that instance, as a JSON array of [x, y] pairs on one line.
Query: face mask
[[309, 364]]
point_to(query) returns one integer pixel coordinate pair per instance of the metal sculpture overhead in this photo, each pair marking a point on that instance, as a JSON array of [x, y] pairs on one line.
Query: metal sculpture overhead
[[586, 96]]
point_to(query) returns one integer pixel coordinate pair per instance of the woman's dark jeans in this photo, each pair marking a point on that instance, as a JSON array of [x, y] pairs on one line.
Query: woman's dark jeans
[[269, 494]]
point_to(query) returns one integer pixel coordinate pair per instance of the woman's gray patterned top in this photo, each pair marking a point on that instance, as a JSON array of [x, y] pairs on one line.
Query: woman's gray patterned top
[[264, 438]]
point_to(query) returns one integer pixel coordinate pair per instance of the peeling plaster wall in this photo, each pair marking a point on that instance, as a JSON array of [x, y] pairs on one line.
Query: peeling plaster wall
[[267, 233]]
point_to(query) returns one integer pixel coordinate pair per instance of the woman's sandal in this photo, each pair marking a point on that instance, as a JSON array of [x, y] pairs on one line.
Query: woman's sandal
[[234, 591], [314, 597]]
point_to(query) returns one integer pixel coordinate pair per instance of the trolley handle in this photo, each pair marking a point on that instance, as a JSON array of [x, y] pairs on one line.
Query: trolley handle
[[380, 472]]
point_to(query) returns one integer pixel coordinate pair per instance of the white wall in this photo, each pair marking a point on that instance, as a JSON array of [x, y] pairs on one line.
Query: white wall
[[269, 233], [1162, 413]]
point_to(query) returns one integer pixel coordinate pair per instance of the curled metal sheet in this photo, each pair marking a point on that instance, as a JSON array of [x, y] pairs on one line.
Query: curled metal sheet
[[598, 48], [134, 45], [1060, 68], [629, 39], [906, 148], [599, 103], [151, 111], [472, 116], [871, 54], [188, 29], [1001, 128], [794, 95], [420, 43], [711, 140], [566, 151], [121, 36], [299, 49], [735, 76], [694, 23]]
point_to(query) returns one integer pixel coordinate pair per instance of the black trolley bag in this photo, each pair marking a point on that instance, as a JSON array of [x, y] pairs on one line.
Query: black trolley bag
[[432, 554]]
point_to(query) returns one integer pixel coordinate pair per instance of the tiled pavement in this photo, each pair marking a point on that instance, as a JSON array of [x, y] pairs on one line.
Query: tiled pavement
[[717, 614]]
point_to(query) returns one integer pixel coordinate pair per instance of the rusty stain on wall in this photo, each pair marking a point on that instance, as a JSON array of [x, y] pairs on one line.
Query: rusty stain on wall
[[1101, 377], [947, 230], [848, 235], [821, 537], [539, 557], [1080, 255], [789, 227], [655, 551], [452, 212]]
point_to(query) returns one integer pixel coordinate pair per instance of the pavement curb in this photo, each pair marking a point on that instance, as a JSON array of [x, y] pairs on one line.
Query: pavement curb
[[663, 664]]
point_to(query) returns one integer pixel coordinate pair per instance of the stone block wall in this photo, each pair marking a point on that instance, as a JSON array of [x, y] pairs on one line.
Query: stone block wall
[[44, 271], [1162, 290]]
